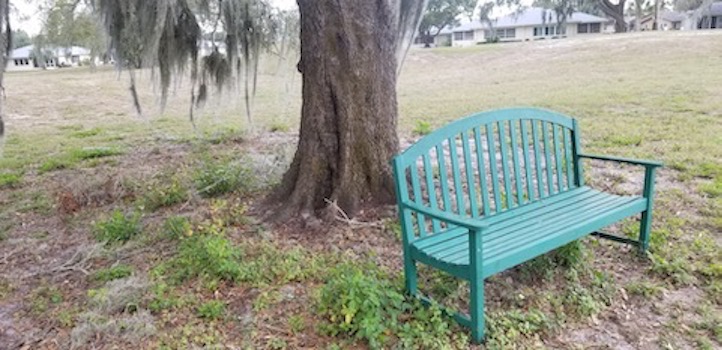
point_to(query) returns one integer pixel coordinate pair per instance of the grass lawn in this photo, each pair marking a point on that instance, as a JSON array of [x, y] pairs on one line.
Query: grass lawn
[[123, 230]]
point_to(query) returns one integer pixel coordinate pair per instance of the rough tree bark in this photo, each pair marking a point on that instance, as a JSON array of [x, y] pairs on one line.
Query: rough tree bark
[[616, 11], [348, 118]]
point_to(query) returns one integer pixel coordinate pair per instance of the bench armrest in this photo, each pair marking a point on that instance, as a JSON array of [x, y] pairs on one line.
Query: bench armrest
[[450, 218], [645, 163]]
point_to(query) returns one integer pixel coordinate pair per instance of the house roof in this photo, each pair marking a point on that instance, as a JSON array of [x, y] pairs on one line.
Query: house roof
[[673, 16], [532, 16], [27, 51], [715, 9]]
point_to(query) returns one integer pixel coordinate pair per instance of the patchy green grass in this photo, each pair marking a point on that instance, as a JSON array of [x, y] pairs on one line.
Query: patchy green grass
[[10, 180], [81, 134]]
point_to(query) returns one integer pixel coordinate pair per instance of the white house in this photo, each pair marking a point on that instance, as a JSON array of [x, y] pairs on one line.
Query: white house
[[711, 18], [23, 58], [529, 24]]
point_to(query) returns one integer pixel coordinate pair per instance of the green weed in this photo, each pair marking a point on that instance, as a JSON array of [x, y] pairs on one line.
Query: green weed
[[712, 189], [644, 289], [177, 227], [506, 329], [218, 177], [210, 257], [618, 140], [112, 273], [162, 194], [296, 323], [422, 128], [43, 297], [86, 133], [10, 180], [212, 310], [361, 304], [278, 126], [57, 163], [119, 227], [93, 153]]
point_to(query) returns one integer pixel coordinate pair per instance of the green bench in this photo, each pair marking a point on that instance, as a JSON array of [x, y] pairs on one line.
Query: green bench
[[493, 190]]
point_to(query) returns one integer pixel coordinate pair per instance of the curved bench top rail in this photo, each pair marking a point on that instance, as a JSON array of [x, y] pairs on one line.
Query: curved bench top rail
[[424, 144]]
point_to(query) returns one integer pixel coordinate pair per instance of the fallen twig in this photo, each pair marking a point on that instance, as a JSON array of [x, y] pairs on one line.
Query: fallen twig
[[343, 217]]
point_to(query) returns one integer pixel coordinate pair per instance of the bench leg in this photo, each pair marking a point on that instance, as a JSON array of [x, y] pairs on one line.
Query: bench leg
[[646, 222], [644, 230], [410, 276], [477, 310]]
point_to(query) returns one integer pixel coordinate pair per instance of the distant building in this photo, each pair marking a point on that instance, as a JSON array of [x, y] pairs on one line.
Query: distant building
[[23, 58], [668, 20], [711, 18], [530, 24]]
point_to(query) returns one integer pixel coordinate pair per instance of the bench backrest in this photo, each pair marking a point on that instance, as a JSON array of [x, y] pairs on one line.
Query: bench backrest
[[488, 163]]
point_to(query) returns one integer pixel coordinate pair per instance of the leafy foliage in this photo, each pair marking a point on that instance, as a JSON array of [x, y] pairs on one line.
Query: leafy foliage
[[113, 273], [217, 177], [442, 13], [212, 310], [361, 301], [119, 227]]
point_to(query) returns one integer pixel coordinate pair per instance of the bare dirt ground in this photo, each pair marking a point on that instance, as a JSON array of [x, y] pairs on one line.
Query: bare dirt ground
[[76, 151]]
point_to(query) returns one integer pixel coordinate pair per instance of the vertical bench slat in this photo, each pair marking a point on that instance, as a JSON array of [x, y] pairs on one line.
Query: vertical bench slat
[[558, 158], [455, 171], [525, 152], [548, 158], [568, 158], [441, 159], [482, 171], [578, 166], [493, 167], [515, 159], [537, 157], [431, 189], [470, 182], [505, 165], [418, 198]]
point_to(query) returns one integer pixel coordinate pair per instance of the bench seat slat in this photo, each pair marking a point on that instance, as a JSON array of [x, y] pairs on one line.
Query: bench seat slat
[[510, 238], [519, 212], [506, 232], [518, 238], [520, 220]]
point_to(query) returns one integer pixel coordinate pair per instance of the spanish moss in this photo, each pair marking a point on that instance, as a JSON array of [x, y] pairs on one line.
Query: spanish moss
[[165, 36]]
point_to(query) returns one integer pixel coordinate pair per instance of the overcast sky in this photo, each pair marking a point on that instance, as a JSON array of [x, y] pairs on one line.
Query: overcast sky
[[27, 17]]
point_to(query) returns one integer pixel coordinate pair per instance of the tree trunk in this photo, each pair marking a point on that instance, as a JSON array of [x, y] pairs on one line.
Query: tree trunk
[[638, 15], [5, 45], [348, 118], [616, 11]]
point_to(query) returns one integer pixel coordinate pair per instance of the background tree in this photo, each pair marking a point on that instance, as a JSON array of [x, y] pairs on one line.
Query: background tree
[[5, 47], [349, 55], [698, 8], [20, 39], [616, 12], [71, 23], [485, 13], [441, 14], [562, 9]]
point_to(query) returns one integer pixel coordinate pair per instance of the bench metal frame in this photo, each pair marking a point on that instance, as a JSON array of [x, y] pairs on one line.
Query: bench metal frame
[[414, 213]]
